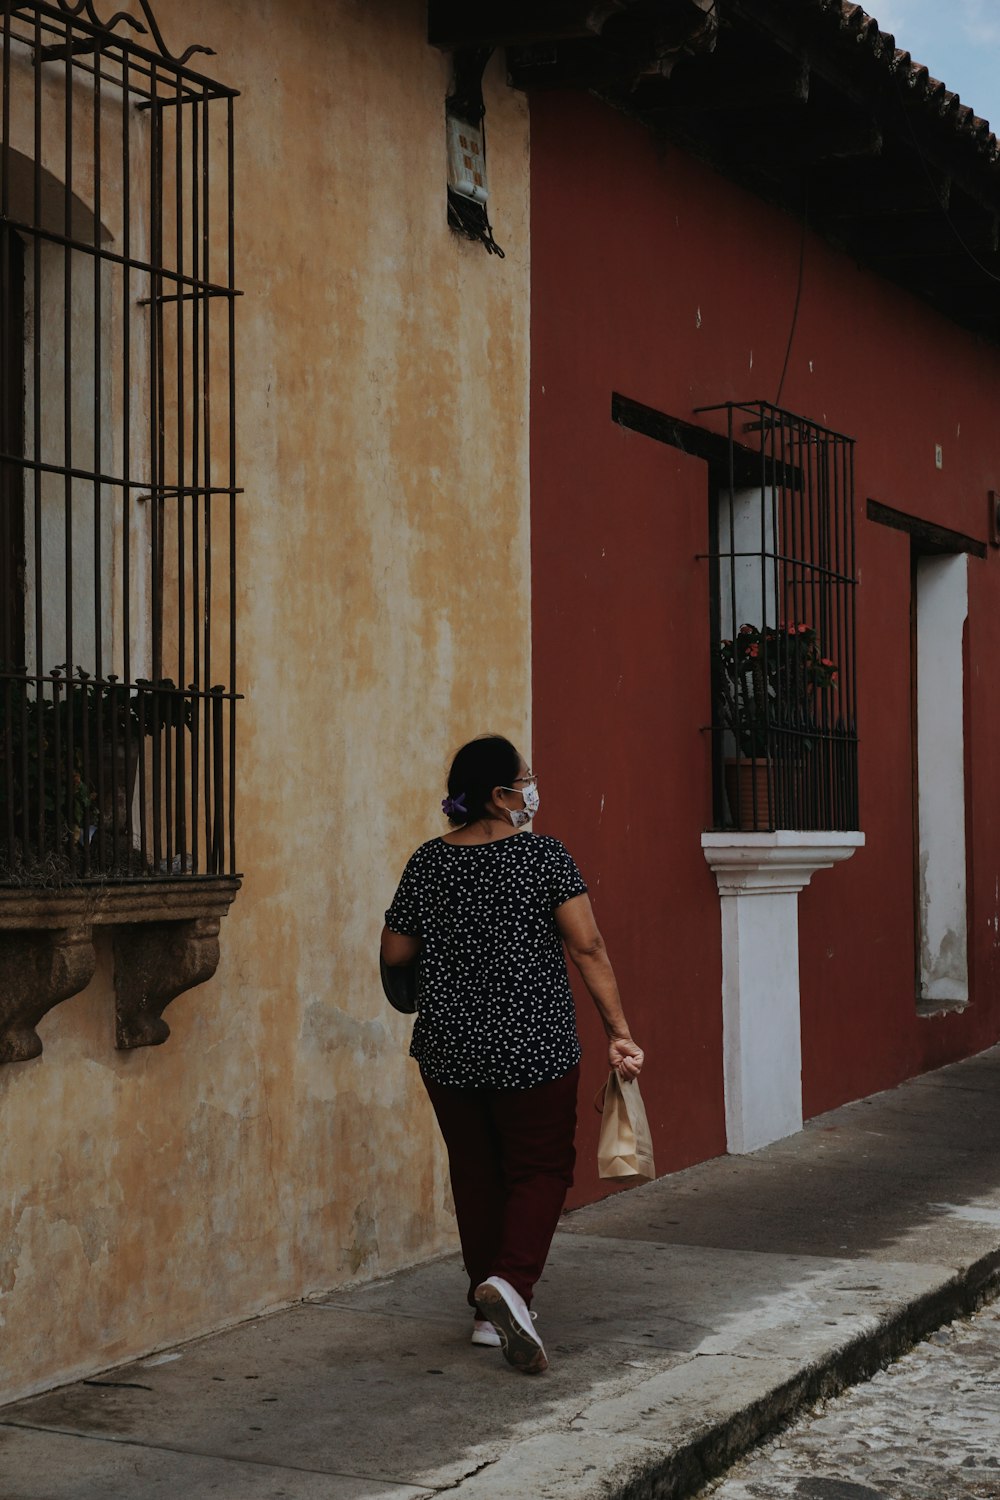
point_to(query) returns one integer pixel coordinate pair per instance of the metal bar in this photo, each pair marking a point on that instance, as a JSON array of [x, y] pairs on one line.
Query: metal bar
[[130, 750], [157, 62], [179, 795], [231, 212], [218, 804], [834, 716], [762, 709], [783, 768], [7, 498], [58, 810], [98, 664], [718, 685], [157, 773], [797, 504], [68, 344], [142, 684], [7, 494], [806, 567], [811, 782], [167, 724], [206, 429], [5, 159], [826, 451], [196, 264], [164, 274], [833, 642], [157, 435], [9, 786], [737, 811], [826, 460], [199, 295], [12, 484], [783, 512], [141, 707], [36, 406], [804, 456], [153, 805], [148, 486], [11, 353], [852, 724]]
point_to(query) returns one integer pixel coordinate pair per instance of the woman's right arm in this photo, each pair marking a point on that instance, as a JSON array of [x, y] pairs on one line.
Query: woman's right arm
[[403, 947], [397, 949], [585, 946]]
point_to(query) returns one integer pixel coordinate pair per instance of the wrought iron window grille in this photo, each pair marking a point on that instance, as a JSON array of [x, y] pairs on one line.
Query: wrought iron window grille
[[783, 608], [118, 492]]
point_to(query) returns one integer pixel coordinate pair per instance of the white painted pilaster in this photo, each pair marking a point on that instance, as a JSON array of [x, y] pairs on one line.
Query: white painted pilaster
[[942, 610], [760, 876]]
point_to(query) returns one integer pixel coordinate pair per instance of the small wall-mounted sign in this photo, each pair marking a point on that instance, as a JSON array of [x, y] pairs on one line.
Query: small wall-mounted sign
[[466, 160]]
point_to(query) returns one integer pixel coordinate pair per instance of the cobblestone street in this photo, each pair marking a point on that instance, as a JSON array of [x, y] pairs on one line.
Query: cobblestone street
[[927, 1428]]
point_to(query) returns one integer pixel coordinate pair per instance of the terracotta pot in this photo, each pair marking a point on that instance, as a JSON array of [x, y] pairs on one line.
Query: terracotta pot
[[753, 793], [750, 791]]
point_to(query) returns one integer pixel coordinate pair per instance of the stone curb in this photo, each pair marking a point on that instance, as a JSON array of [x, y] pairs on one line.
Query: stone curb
[[690, 1467]]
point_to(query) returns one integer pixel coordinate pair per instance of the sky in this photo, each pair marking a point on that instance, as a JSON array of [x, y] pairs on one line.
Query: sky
[[958, 40]]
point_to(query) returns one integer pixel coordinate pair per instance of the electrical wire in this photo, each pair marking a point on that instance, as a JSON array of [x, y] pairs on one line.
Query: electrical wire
[[798, 295]]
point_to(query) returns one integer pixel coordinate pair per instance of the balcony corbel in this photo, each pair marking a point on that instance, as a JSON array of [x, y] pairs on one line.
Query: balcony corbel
[[154, 964], [166, 941], [37, 970]]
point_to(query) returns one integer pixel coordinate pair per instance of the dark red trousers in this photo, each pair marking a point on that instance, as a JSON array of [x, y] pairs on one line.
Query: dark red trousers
[[511, 1156]]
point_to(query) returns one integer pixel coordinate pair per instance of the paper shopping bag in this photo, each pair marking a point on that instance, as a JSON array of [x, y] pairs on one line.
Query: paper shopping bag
[[625, 1147]]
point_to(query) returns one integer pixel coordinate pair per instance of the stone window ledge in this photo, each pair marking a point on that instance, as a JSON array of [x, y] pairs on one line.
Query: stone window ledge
[[783, 861], [166, 940]]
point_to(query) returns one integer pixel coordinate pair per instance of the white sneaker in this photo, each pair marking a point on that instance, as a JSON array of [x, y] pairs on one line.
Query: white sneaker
[[484, 1333], [498, 1302]]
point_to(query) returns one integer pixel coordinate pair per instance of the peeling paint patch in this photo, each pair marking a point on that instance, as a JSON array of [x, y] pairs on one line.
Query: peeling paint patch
[[10, 1255], [362, 1254], [333, 1030]]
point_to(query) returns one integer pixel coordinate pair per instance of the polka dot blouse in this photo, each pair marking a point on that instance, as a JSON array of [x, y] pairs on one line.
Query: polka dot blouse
[[494, 1005]]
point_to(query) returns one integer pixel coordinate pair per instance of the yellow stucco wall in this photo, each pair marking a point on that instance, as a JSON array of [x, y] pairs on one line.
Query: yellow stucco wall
[[279, 1142]]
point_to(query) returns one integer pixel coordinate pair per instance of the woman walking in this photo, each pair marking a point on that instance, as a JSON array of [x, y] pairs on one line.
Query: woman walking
[[485, 912]]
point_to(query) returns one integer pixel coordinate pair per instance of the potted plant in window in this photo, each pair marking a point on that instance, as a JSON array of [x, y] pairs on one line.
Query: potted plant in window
[[766, 684], [79, 795]]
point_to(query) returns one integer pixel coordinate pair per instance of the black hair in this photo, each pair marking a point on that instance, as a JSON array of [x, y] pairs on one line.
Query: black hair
[[479, 766]]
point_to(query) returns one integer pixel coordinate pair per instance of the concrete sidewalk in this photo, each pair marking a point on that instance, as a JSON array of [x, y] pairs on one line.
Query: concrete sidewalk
[[683, 1320]]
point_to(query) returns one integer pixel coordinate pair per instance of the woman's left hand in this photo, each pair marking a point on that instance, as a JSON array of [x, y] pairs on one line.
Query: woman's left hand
[[625, 1057]]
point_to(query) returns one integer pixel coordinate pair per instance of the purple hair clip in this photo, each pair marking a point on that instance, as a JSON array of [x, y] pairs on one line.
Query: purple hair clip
[[454, 807]]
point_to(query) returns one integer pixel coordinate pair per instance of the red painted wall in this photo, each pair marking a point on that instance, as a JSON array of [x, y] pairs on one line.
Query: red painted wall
[[654, 277]]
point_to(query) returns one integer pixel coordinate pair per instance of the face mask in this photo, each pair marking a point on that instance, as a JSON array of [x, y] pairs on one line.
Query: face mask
[[521, 815]]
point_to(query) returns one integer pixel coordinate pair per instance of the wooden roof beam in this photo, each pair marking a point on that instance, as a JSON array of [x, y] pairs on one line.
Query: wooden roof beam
[[768, 20], [857, 203], [715, 85], [835, 143]]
